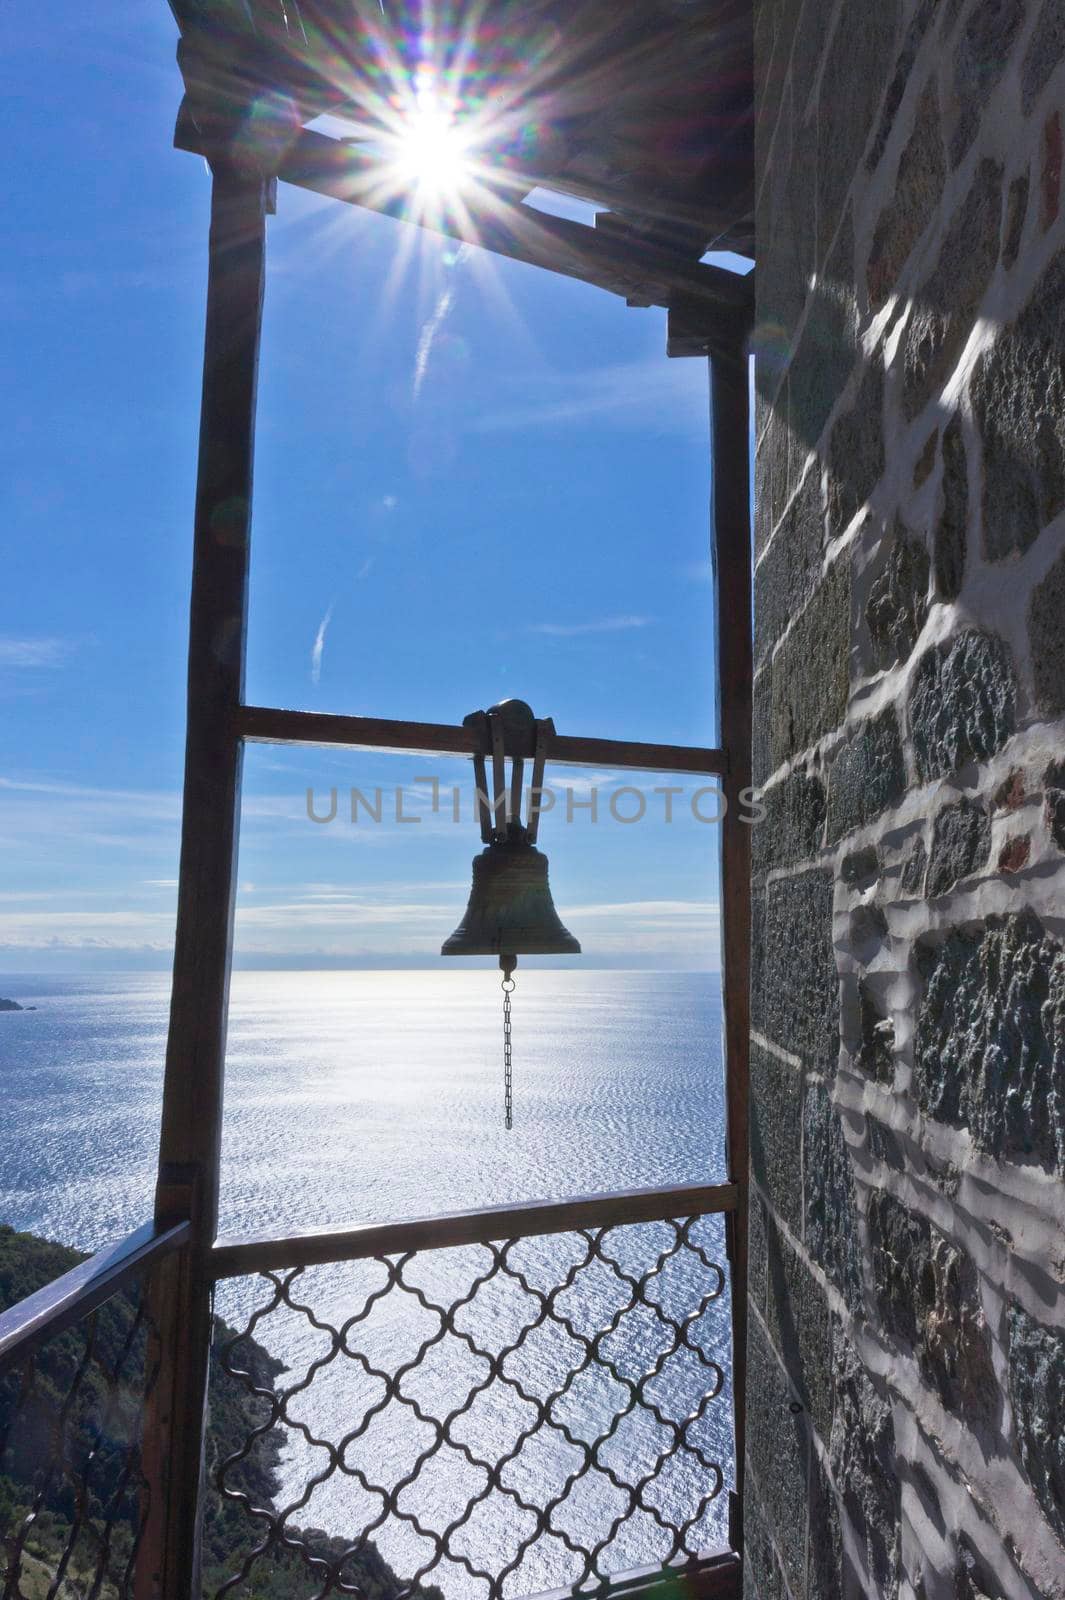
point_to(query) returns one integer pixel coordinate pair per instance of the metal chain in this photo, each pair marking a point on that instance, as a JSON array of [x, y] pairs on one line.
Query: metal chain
[[508, 1061]]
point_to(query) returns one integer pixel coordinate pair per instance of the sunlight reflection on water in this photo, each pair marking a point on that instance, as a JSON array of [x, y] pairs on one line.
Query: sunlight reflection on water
[[370, 1096]]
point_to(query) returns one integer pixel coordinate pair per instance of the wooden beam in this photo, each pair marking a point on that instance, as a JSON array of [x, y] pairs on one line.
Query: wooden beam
[[627, 266], [233, 1258], [732, 581], [190, 1136], [265, 725], [84, 1288]]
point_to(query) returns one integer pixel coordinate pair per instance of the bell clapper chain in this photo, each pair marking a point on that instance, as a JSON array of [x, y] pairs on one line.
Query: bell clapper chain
[[510, 912], [506, 967]]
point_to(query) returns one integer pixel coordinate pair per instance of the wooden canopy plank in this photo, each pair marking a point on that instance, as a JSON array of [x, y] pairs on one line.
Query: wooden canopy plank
[[629, 267]]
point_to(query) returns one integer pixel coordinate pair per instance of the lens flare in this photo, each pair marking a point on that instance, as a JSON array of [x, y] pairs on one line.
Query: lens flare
[[432, 152]]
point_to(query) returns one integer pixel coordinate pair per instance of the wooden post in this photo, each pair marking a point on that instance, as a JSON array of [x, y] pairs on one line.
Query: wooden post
[[732, 583], [190, 1140]]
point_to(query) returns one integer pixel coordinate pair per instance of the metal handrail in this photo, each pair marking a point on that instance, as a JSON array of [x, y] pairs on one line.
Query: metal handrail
[[84, 1288], [231, 1258]]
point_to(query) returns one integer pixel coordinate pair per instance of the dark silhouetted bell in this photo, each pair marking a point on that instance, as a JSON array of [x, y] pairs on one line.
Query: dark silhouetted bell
[[510, 910]]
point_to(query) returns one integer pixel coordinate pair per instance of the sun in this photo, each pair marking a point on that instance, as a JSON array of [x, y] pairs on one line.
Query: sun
[[431, 154]]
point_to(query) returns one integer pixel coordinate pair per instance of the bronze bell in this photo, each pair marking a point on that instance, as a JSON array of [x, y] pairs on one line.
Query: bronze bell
[[510, 911]]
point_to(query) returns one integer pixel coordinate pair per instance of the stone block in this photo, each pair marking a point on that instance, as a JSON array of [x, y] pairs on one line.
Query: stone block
[[864, 1467], [1046, 47], [1037, 1398], [1015, 853], [947, 303], [777, 1451], [1018, 399], [867, 776], [794, 823], [1050, 172], [876, 1044], [1054, 802], [897, 607], [825, 1575], [1016, 211], [961, 843], [900, 79], [981, 56], [951, 535], [829, 1197], [828, 347], [771, 467], [856, 451], [757, 1253], [962, 703], [762, 1575], [1046, 633], [928, 1299], [776, 1133], [884, 1145], [861, 869], [800, 1326], [989, 1050], [787, 245], [916, 197], [811, 669], [759, 997], [911, 881], [788, 572], [799, 981], [864, 39], [972, 1578], [761, 714], [926, 461]]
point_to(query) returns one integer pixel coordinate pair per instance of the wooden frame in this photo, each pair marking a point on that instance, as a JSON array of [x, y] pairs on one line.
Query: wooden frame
[[232, 1257], [263, 725], [219, 723], [86, 1287]]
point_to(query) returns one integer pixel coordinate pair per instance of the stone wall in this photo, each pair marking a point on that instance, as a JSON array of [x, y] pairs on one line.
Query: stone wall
[[906, 1391]]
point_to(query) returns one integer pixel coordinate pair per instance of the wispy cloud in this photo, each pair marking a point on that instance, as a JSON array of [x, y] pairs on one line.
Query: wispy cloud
[[22, 652], [574, 630], [433, 324], [646, 394], [430, 328], [319, 644]]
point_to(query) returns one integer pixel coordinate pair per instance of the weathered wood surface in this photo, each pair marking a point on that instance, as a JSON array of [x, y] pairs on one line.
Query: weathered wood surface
[[732, 577], [190, 1137], [233, 1257], [84, 1289], [265, 725]]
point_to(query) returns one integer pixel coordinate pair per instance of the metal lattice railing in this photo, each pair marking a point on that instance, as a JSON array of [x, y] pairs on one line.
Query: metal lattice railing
[[72, 1493], [495, 1419]]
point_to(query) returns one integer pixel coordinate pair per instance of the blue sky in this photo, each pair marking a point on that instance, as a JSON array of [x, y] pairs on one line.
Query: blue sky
[[473, 480]]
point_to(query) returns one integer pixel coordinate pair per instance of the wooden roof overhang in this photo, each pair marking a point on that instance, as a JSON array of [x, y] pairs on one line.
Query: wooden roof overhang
[[642, 109]]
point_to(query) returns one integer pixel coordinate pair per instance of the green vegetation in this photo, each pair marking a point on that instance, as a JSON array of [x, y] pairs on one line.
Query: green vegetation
[[100, 1419]]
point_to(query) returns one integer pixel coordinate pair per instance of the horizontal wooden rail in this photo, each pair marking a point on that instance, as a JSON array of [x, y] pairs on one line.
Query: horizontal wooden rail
[[84, 1288], [231, 1258], [265, 725]]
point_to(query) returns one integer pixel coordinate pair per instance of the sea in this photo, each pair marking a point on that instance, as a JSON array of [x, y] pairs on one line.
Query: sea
[[374, 1096]]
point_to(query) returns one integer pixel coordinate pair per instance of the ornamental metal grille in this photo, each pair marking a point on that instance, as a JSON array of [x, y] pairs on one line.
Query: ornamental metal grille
[[72, 1492], [491, 1420]]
